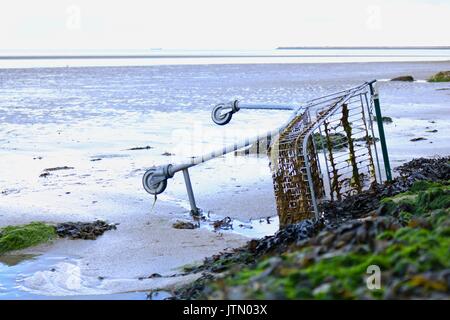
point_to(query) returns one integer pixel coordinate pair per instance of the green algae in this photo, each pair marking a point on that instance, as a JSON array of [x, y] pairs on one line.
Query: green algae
[[24, 236], [443, 76], [422, 197], [343, 276]]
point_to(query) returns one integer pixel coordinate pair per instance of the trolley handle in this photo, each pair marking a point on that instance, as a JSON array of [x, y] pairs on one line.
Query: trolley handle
[[222, 113]]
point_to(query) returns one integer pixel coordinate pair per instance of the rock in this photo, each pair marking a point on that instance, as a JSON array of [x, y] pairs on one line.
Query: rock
[[403, 78], [307, 260], [58, 168], [184, 225], [83, 230], [154, 275], [433, 169], [361, 235], [418, 139], [225, 224], [252, 244], [327, 240], [337, 140], [340, 244], [419, 223], [347, 237], [140, 148], [386, 120], [322, 289], [10, 191], [443, 76], [47, 171]]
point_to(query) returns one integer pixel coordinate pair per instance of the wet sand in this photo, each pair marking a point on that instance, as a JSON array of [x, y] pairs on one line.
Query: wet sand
[[124, 258]]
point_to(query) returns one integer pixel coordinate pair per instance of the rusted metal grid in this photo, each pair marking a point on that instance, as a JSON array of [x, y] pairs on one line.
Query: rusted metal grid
[[328, 151]]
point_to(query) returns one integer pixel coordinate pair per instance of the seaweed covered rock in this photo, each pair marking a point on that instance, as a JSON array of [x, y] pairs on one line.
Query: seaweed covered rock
[[83, 230], [386, 120], [338, 141], [443, 76], [422, 169], [433, 169], [184, 225]]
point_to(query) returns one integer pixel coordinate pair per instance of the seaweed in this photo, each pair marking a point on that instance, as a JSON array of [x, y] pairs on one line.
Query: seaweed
[[335, 186], [337, 141], [333, 265], [355, 181], [24, 236], [443, 76], [402, 227]]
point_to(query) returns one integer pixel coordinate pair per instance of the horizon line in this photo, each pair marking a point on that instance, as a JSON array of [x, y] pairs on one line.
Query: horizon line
[[362, 47]]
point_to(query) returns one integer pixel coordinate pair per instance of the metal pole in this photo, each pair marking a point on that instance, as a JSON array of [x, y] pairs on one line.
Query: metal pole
[[266, 106], [190, 192], [227, 149], [376, 102]]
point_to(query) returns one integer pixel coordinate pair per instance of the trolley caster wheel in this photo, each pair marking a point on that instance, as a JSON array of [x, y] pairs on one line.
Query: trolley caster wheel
[[153, 187], [218, 117]]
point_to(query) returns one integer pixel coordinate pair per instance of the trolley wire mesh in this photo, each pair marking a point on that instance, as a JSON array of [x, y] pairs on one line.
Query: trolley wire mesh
[[327, 151]]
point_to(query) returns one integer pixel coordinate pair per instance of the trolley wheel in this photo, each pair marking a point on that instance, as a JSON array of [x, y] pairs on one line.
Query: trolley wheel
[[218, 117], [153, 188]]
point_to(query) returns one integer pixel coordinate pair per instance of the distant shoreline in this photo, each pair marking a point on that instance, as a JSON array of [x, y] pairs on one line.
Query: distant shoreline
[[280, 52], [111, 59], [198, 56], [367, 48]]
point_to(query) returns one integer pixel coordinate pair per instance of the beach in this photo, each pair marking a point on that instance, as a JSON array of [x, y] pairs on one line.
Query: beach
[[91, 120]]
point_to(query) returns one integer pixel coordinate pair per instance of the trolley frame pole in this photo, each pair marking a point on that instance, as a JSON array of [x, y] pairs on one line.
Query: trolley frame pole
[[384, 151]]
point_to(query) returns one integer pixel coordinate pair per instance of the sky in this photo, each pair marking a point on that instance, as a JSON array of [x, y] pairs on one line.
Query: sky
[[220, 24]]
